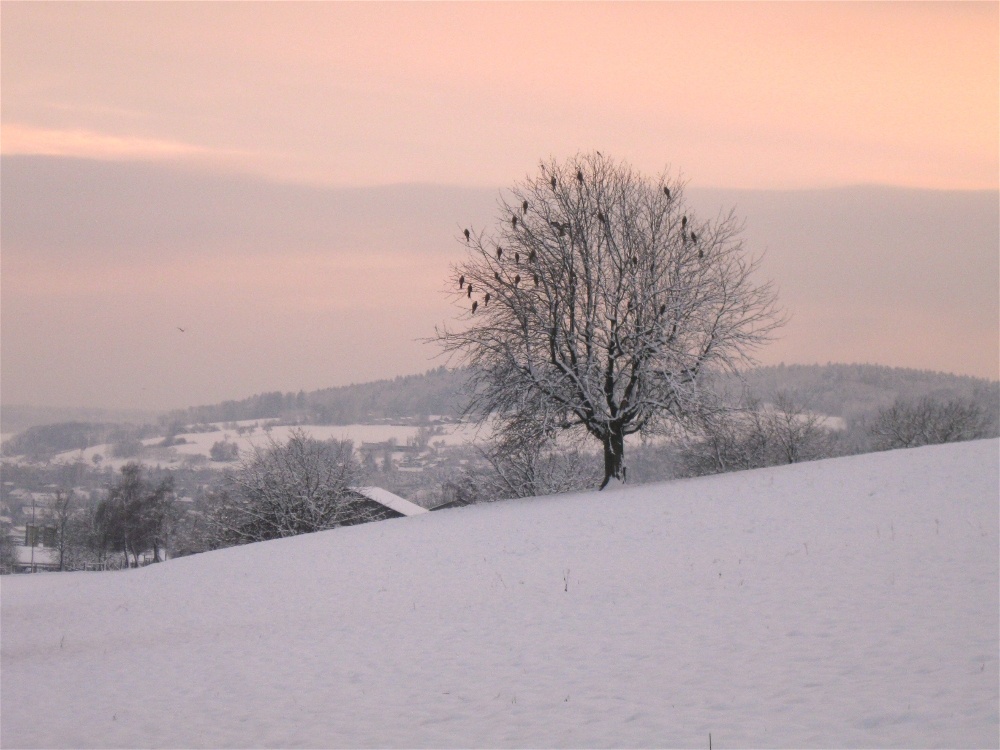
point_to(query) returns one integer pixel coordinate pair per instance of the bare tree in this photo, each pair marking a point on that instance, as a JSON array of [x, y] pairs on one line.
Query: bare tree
[[522, 466], [62, 510], [83, 540], [927, 421], [134, 515], [800, 434], [284, 489], [599, 301], [7, 553]]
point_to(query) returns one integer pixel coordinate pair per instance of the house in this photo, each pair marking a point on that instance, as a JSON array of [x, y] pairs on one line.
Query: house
[[385, 446], [377, 504]]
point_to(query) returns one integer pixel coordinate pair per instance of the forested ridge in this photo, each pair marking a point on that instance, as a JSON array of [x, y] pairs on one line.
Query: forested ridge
[[843, 390]]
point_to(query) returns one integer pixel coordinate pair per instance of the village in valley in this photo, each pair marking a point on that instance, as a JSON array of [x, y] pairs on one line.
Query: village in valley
[[408, 464]]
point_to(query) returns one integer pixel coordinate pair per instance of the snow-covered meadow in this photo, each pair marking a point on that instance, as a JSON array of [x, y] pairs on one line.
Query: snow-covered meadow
[[851, 602], [254, 434]]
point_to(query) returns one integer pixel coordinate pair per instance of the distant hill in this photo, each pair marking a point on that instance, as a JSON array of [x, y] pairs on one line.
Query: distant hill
[[437, 391], [850, 391], [847, 391], [835, 389], [16, 418]]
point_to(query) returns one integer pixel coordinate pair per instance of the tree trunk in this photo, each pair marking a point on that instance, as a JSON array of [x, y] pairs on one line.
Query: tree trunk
[[614, 456]]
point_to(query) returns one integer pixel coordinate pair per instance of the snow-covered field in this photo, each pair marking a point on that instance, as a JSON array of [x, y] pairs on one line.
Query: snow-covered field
[[200, 443], [843, 603]]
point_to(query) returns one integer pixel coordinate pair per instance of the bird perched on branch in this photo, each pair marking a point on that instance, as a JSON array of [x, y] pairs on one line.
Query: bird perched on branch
[[524, 206], [517, 279], [467, 235], [600, 217], [684, 221], [474, 306], [486, 301], [499, 252], [536, 279], [532, 257], [579, 175], [517, 257], [553, 182], [468, 292], [461, 281], [666, 192]]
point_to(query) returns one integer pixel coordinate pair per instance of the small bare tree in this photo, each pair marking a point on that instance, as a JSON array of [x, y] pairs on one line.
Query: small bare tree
[[7, 553], [63, 507], [599, 301], [83, 540], [754, 434], [533, 465], [135, 514]]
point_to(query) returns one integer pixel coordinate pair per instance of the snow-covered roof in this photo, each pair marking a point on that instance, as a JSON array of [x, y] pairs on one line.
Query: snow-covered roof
[[389, 500]]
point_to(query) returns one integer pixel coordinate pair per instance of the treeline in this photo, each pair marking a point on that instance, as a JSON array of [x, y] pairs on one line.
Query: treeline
[[752, 431], [437, 391], [19, 417], [43, 441], [852, 391], [839, 390]]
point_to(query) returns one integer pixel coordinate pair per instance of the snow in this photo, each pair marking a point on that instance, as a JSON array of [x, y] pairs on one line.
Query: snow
[[842, 603], [42, 555], [200, 443]]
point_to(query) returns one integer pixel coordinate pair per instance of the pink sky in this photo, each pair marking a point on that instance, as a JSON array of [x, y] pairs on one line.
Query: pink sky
[[731, 95], [738, 94]]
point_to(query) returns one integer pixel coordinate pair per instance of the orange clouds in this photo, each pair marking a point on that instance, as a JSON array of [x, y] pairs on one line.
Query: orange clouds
[[21, 139]]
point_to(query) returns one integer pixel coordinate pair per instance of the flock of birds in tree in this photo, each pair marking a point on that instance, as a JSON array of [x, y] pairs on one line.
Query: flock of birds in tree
[[561, 228]]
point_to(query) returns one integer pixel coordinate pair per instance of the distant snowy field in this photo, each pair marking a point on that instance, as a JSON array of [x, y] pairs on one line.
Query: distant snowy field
[[843, 603], [200, 443]]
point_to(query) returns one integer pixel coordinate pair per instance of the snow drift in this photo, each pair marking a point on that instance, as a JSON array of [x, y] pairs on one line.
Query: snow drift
[[848, 603]]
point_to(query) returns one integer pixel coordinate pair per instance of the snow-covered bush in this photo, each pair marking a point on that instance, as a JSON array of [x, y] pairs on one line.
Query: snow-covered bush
[[927, 421], [284, 489], [224, 450], [755, 435]]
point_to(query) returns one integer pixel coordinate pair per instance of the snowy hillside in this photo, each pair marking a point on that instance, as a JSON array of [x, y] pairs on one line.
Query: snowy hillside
[[843, 603]]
